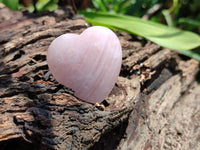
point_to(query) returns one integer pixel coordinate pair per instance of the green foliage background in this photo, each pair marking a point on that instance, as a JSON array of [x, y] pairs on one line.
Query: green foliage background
[[128, 15], [41, 5], [184, 14]]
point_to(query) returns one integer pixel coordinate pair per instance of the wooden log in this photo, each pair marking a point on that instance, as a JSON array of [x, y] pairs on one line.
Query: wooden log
[[155, 103]]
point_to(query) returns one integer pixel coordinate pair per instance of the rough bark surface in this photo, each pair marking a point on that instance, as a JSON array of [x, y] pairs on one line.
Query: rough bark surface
[[155, 103]]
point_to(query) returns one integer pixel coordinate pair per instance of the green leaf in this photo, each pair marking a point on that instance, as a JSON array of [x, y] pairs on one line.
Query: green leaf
[[191, 54], [12, 4], [168, 37], [189, 21], [99, 5], [46, 5], [51, 6], [168, 18], [31, 8]]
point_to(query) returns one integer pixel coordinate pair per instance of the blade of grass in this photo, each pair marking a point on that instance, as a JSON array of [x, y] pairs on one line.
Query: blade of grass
[[168, 37]]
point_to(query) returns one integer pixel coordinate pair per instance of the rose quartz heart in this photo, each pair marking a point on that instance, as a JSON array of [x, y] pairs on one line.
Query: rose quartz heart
[[88, 63]]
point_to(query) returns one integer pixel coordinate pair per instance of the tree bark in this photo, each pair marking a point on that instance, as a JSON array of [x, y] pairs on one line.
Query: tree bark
[[155, 103]]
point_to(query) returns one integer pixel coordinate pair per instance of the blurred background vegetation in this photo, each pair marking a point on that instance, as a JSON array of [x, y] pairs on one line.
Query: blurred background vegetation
[[182, 14]]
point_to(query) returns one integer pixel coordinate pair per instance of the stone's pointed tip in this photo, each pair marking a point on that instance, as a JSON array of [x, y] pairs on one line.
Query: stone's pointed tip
[[88, 63]]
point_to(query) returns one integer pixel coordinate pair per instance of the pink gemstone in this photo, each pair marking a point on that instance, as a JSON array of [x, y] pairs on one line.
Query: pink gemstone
[[88, 63]]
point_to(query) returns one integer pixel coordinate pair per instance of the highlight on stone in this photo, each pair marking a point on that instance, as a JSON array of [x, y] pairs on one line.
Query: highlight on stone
[[88, 63]]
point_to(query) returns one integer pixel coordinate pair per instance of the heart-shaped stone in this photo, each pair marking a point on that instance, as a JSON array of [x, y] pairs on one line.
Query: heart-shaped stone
[[88, 63]]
